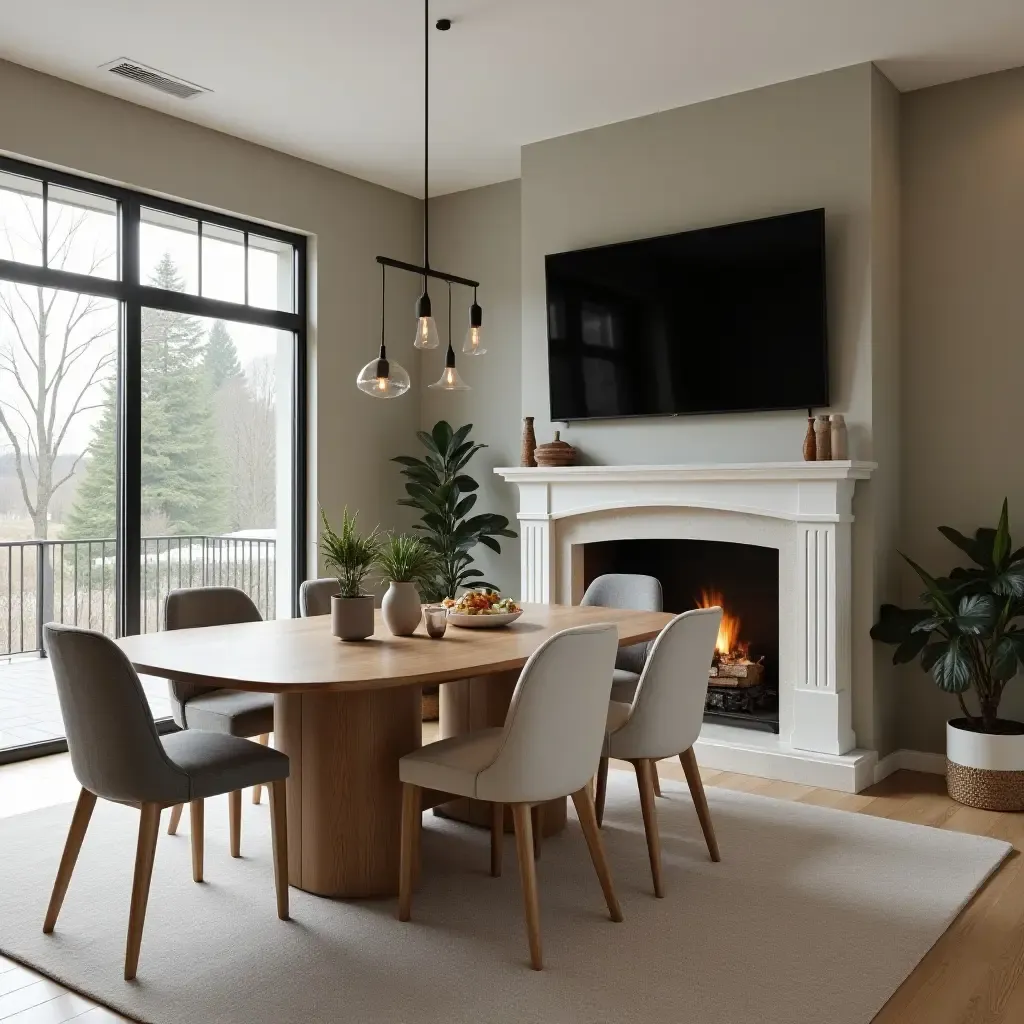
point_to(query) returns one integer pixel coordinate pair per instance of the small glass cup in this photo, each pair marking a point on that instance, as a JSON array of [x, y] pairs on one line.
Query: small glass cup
[[436, 618]]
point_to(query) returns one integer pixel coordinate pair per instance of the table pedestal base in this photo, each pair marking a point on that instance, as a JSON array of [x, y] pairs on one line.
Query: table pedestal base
[[344, 795]]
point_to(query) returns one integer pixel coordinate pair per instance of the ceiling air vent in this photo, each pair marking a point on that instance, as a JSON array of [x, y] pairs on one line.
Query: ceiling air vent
[[136, 72]]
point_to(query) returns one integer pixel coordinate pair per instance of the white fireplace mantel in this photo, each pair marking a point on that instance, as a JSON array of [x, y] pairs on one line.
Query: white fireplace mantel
[[802, 509]]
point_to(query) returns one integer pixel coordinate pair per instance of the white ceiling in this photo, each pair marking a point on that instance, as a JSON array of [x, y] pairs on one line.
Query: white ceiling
[[339, 81]]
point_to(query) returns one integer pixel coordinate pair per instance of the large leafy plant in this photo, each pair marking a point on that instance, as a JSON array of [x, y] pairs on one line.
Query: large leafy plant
[[444, 495], [968, 634]]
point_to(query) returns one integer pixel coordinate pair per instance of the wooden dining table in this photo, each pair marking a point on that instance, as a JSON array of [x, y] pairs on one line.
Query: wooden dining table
[[345, 713]]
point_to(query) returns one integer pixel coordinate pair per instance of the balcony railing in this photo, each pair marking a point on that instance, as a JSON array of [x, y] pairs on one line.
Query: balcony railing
[[73, 581]]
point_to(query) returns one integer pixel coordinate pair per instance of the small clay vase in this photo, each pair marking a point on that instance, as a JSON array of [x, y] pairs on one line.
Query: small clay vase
[[529, 448], [351, 617], [822, 439], [810, 446], [840, 440]]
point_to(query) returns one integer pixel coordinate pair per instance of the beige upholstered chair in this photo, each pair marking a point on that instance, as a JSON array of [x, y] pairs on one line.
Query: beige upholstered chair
[[116, 754], [547, 749], [210, 708], [664, 720], [315, 596]]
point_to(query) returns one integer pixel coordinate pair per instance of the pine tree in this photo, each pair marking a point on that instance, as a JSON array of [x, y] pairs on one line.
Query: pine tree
[[221, 357], [182, 489]]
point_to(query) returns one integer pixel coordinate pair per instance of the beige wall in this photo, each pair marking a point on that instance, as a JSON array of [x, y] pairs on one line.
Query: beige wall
[[50, 121], [476, 234], [963, 339]]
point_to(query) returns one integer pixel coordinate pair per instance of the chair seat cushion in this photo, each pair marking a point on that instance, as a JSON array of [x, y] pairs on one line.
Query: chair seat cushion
[[618, 712], [624, 685], [215, 763], [232, 712], [451, 765]]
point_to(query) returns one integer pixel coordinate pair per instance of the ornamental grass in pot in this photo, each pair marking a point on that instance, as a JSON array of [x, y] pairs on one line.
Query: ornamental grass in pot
[[352, 557], [968, 636], [407, 564]]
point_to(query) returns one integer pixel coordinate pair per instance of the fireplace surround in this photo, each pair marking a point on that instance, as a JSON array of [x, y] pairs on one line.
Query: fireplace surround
[[803, 510]]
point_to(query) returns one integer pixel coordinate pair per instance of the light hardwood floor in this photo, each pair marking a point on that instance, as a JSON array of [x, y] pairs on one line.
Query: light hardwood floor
[[973, 975]]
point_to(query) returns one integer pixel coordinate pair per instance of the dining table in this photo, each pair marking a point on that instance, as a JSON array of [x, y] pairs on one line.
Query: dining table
[[346, 712]]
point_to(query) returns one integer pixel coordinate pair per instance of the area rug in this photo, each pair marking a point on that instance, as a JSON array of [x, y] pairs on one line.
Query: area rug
[[813, 915]]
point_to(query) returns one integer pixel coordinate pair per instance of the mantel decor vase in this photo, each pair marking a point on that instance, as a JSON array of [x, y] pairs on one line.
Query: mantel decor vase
[[840, 441], [810, 448], [529, 443], [352, 617], [401, 608], [555, 453], [822, 439]]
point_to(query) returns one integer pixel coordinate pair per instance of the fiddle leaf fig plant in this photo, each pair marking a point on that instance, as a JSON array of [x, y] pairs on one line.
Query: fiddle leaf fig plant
[[968, 635], [440, 489]]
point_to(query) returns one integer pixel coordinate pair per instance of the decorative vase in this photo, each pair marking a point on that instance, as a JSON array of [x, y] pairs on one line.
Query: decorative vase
[[352, 617], [555, 453], [822, 439], [810, 448], [529, 443], [985, 770], [401, 608], [840, 442]]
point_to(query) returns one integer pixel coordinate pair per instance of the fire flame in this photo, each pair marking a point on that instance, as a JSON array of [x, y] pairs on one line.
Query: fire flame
[[729, 630]]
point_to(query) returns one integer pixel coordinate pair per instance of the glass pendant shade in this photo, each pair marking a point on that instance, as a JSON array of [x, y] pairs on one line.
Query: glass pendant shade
[[383, 378], [449, 381], [426, 333]]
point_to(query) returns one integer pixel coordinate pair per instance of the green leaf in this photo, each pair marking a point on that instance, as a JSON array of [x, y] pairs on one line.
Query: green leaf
[[490, 542], [931, 654], [936, 594], [463, 508], [895, 625], [950, 670], [1004, 659], [428, 442], [1001, 542], [466, 483], [1010, 582], [928, 625], [968, 545], [442, 436], [409, 460], [460, 435], [976, 614], [910, 648]]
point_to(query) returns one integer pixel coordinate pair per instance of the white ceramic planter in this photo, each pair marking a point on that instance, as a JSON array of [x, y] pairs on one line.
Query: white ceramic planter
[[352, 617], [984, 770], [401, 608]]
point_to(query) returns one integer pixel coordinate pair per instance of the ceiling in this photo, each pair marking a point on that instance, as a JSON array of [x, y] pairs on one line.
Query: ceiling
[[338, 82]]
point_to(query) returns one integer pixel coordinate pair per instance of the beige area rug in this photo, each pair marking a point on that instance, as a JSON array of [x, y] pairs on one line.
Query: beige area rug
[[812, 916]]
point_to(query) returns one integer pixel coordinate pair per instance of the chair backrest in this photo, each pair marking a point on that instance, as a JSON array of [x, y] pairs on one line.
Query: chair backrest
[[315, 596], [203, 606], [626, 590], [668, 707], [555, 727], [115, 750]]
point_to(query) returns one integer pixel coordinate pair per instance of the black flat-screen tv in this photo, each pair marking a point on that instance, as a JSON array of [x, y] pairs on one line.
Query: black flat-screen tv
[[723, 319]]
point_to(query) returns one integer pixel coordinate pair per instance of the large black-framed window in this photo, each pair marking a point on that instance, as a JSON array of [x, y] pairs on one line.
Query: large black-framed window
[[127, 279]]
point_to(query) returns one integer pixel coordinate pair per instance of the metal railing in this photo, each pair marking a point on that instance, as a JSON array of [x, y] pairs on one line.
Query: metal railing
[[74, 581]]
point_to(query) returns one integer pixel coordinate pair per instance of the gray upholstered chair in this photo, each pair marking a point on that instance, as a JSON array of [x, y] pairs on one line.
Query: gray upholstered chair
[[664, 720], [211, 708], [116, 754], [547, 749], [315, 596]]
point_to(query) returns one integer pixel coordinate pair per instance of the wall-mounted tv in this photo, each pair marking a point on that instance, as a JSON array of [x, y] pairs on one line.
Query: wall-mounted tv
[[723, 319]]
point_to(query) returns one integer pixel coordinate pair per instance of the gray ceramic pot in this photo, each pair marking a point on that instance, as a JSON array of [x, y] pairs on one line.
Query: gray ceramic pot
[[352, 617], [401, 608]]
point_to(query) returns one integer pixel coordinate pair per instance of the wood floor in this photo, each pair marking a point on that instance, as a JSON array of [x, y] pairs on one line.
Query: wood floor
[[973, 975]]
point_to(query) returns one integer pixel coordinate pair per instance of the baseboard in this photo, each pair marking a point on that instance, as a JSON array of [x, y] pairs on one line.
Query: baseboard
[[911, 761]]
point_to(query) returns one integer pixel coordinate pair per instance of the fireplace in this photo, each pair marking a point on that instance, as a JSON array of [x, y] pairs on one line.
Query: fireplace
[[744, 579]]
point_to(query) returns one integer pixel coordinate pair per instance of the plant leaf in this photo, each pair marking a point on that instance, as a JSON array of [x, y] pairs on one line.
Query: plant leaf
[[966, 544], [910, 648], [464, 506], [935, 592], [460, 435], [976, 614], [490, 542], [1010, 582], [950, 670], [1001, 542], [466, 483], [931, 654], [408, 460], [1004, 659], [895, 625], [428, 442], [442, 436]]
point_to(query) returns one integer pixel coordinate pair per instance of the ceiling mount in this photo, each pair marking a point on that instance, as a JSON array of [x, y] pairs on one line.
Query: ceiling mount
[[443, 24]]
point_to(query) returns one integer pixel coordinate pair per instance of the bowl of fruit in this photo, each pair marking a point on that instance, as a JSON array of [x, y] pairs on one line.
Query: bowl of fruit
[[482, 609]]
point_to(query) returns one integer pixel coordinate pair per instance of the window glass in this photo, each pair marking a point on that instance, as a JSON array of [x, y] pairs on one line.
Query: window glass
[[169, 251], [223, 263], [271, 274], [21, 219], [81, 232]]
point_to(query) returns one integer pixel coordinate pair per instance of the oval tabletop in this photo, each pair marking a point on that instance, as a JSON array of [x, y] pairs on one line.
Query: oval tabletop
[[299, 655]]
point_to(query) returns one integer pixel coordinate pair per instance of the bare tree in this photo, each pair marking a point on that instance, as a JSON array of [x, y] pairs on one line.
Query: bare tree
[[52, 363]]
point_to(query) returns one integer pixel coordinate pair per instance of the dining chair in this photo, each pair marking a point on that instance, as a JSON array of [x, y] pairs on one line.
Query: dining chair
[[664, 720], [547, 749], [117, 755], [315, 596], [212, 708]]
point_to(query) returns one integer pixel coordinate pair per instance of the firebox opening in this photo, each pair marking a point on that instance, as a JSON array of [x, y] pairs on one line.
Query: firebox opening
[[744, 579]]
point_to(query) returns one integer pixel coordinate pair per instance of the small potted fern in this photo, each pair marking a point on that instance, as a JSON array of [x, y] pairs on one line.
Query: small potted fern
[[408, 564], [352, 556]]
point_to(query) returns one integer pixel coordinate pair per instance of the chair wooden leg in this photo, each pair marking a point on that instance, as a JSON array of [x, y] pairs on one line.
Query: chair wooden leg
[[149, 828], [412, 822], [528, 873], [235, 822], [172, 825], [258, 789], [537, 828], [657, 781], [497, 838], [197, 824], [588, 820], [72, 847], [602, 790], [689, 762], [279, 831], [645, 781]]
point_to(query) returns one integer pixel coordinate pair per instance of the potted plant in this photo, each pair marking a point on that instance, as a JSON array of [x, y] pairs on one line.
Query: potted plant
[[352, 557], [407, 563], [968, 636]]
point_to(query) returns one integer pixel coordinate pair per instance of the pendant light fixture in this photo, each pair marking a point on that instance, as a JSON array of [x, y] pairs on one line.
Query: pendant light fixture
[[449, 379], [382, 377]]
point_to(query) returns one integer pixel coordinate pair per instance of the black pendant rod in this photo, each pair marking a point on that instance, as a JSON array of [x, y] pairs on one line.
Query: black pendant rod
[[426, 140], [425, 271]]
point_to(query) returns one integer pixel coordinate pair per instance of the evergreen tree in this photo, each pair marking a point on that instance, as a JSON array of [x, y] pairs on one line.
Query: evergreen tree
[[182, 489], [221, 357]]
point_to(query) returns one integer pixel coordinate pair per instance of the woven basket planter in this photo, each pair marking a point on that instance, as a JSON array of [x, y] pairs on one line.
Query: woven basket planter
[[983, 770], [431, 706]]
